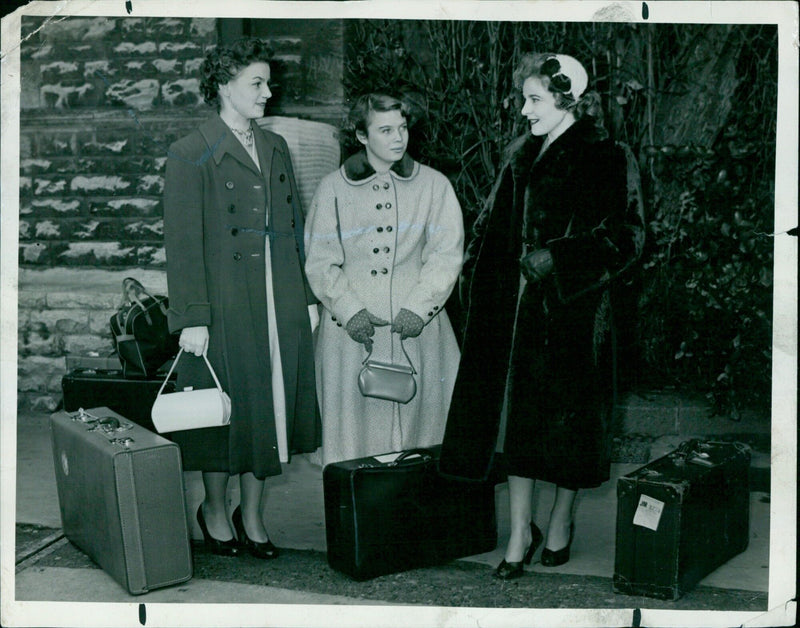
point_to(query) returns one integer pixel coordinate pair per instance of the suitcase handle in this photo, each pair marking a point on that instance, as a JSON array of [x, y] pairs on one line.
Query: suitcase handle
[[426, 455]]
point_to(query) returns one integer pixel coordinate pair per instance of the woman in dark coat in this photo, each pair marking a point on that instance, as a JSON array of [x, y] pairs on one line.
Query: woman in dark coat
[[537, 350], [234, 241]]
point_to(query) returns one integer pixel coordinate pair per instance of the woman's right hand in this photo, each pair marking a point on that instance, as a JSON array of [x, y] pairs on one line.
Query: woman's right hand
[[361, 327], [194, 339]]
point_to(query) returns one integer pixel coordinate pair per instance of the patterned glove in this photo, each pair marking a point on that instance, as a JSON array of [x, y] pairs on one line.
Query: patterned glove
[[407, 324], [361, 327], [536, 265]]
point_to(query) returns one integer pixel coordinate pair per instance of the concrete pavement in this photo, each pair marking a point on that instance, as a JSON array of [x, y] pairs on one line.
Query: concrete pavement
[[295, 519]]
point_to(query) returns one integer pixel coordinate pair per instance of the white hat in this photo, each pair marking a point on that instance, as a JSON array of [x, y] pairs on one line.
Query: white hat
[[575, 72]]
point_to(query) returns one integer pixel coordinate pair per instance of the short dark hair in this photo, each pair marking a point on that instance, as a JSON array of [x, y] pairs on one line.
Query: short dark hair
[[367, 104], [224, 62]]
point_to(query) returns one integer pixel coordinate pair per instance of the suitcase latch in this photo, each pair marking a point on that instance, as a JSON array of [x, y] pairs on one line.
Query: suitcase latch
[[124, 441]]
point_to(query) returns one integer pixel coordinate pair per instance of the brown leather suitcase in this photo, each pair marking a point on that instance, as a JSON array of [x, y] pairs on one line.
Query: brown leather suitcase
[[680, 517], [384, 516], [120, 491]]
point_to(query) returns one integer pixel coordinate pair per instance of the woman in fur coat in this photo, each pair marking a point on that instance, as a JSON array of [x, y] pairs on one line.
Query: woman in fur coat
[[558, 228], [384, 248]]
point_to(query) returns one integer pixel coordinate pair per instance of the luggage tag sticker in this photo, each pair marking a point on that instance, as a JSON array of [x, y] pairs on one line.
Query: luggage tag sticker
[[648, 512]]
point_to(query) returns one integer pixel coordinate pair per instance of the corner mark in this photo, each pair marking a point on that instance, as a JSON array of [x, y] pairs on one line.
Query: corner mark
[[645, 11], [637, 618], [129, 6], [48, 20], [142, 614], [792, 232]]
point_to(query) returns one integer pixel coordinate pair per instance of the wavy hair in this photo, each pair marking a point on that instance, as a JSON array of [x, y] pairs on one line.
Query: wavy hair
[[366, 105], [224, 62], [587, 105]]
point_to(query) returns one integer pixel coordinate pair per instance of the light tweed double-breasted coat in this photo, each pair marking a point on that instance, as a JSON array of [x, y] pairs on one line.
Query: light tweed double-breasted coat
[[383, 242]]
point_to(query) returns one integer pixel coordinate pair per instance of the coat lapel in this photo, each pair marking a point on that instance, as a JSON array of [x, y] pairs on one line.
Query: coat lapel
[[222, 141]]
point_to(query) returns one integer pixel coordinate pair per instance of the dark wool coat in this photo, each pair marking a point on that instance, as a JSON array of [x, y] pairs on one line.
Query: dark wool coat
[[546, 345], [216, 206]]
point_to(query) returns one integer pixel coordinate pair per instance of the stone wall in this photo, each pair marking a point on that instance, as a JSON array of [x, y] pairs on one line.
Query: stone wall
[[102, 99]]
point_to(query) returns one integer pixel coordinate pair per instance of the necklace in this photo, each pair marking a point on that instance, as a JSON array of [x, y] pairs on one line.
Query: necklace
[[246, 136]]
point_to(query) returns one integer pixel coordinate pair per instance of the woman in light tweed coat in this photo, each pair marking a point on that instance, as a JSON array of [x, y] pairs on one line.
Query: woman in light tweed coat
[[384, 247]]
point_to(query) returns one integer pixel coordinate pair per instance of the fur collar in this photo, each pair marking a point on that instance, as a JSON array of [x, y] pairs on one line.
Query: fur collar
[[580, 134], [357, 168]]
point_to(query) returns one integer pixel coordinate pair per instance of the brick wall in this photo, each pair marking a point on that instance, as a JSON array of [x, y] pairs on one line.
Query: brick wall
[[102, 99]]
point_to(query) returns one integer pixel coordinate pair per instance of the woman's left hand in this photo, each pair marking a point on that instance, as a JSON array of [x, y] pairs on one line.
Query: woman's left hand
[[407, 324], [536, 265]]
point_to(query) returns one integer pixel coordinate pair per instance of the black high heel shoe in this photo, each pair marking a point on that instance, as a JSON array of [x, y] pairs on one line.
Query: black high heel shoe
[[215, 546], [555, 558], [259, 550], [510, 570]]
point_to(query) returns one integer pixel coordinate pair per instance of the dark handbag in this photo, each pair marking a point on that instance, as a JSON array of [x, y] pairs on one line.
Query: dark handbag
[[141, 332], [384, 516], [388, 381]]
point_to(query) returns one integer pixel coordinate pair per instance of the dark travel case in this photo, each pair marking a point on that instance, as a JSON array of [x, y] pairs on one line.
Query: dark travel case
[[385, 517], [680, 517], [88, 387], [120, 491]]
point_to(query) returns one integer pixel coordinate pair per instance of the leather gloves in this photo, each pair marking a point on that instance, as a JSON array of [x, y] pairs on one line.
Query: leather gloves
[[361, 327], [536, 265], [407, 324]]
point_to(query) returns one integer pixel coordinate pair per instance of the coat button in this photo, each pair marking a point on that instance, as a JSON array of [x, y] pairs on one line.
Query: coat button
[[289, 199], [376, 187], [384, 271], [282, 178], [375, 250], [237, 256], [292, 223], [338, 324], [386, 249], [385, 186], [379, 206], [388, 205], [389, 228], [229, 185], [430, 313], [231, 208], [436, 308], [333, 318], [380, 229], [234, 231], [373, 272]]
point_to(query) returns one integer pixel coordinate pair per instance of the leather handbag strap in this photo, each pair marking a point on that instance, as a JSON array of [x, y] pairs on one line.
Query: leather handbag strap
[[402, 346], [175, 361]]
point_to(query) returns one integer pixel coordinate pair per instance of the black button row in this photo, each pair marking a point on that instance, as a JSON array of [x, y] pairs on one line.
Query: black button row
[[383, 271]]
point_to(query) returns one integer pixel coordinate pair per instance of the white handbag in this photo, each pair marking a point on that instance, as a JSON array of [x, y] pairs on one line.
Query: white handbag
[[191, 409]]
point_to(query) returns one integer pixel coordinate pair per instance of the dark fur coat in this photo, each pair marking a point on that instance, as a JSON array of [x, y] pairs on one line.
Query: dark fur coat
[[545, 348]]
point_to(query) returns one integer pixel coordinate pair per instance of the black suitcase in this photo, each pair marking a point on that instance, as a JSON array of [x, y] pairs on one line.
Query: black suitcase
[[680, 517], [385, 517], [133, 398], [120, 492]]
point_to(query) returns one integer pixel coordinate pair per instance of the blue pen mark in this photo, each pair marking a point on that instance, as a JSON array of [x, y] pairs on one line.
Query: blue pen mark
[[142, 614], [132, 113], [645, 11], [129, 6]]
